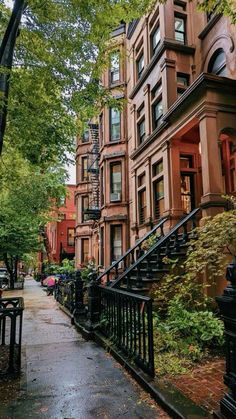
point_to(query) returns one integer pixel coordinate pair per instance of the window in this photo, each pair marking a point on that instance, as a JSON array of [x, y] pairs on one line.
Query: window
[[116, 242], [102, 186], [157, 168], [85, 136], [114, 124], [186, 162], [187, 173], [158, 189], [84, 166], [180, 5], [180, 34], [155, 40], [217, 64], [141, 131], [71, 236], [102, 246], [115, 182], [158, 194], [115, 67], [84, 250], [140, 65], [101, 129], [142, 204], [157, 105], [157, 113], [182, 83], [85, 206], [187, 192]]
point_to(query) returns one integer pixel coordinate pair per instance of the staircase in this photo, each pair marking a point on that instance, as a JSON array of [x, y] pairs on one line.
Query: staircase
[[136, 270]]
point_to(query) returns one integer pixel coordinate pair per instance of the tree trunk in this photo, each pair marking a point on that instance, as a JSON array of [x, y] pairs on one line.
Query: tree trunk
[[9, 265], [6, 59]]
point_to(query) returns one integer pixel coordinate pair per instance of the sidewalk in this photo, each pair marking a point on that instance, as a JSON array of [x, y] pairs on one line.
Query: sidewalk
[[64, 376]]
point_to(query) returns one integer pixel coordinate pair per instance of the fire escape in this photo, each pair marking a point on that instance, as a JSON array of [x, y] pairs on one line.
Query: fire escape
[[93, 211]]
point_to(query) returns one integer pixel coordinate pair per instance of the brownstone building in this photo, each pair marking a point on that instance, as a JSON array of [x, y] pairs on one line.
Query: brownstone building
[[173, 148]]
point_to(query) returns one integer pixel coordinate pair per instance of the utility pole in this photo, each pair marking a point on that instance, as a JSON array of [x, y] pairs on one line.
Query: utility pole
[[6, 59]]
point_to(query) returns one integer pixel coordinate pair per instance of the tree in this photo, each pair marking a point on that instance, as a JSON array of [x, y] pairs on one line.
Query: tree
[[27, 197], [58, 60], [225, 7]]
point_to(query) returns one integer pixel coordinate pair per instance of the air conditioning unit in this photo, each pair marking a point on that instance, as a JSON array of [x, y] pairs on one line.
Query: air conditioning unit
[[115, 196]]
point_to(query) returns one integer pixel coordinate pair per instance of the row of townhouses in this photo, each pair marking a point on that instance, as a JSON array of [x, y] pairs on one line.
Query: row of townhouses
[[172, 147]]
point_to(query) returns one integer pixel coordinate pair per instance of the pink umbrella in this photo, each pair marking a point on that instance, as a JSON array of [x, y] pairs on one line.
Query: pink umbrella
[[49, 281]]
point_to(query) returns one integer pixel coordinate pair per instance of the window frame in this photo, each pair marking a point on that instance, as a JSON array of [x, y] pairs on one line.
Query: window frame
[[142, 190], [112, 229], [154, 49], [110, 125], [156, 98], [157, 176], [141, 120], [138, 59], [84, 171], [68, 236], [112, 165], [184, 32], [111, 72], [83, 240], [83, 208]]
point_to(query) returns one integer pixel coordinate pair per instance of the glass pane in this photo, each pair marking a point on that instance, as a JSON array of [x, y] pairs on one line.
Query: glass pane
[[115, 124], [219, 62], [156, 38], [115, 61], [157, 168], [140, 64], [179, 24], [183, 80], [159, 189], [158, 110], [186, 193]]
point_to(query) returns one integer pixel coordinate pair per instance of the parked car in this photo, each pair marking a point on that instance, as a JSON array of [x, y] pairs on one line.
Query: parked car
[[4, 277]]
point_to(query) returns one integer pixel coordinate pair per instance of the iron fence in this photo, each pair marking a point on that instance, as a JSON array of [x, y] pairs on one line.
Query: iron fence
[[126, 319], [11, 317], [65, 294]]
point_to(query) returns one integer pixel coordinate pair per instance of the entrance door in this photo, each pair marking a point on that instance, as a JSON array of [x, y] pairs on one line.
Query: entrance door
[[187, 192]]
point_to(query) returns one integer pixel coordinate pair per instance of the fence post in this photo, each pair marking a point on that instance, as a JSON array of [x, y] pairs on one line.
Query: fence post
[[79, 295], [227, 306], [94, 302]]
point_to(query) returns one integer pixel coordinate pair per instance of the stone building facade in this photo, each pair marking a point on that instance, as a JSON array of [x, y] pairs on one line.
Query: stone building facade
[[173, 147]]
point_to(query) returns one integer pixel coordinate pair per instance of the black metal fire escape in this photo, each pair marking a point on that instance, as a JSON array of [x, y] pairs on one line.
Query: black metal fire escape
[[93, 211]]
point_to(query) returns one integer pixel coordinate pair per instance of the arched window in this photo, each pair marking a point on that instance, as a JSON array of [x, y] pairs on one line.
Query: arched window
[[217, 64]]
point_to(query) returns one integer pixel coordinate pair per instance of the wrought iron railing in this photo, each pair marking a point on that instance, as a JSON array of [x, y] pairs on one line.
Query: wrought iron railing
[[126, 320], [129, 258], [164, 247], [65, 293], [11, 316]]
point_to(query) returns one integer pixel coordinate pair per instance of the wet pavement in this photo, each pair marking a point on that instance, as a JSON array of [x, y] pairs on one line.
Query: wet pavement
[[64, 376]]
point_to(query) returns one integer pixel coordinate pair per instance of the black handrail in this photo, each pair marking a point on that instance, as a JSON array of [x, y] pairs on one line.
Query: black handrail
[[163, 240], [131, 251]]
